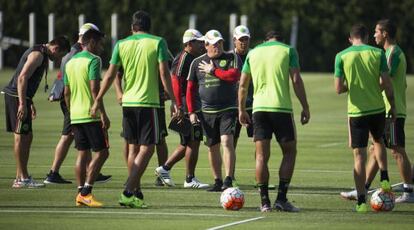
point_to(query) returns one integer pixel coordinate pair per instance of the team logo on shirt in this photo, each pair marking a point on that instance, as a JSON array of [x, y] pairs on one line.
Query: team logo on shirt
[[222, 63]]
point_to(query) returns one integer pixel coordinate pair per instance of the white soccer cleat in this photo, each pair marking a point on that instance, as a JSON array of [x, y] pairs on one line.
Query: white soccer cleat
[[352, 195], [27, 183], [195, 183], [164, 175], [406, 197]]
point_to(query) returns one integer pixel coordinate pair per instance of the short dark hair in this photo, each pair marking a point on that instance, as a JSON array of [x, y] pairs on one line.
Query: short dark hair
[[91, 35], [141, 20], [359, 31], [388, 26], [62, 42], [274, 34]]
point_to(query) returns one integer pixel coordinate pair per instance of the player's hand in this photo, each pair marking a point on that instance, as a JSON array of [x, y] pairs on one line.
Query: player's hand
[[194, 118], [119, 98], [206, 67], [94, 108], [34, 113], [21, 112], [106, 123], [304, 116], [244, 118], [174, 110]]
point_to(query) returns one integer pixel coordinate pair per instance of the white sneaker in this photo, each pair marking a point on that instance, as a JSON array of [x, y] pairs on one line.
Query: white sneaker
[[27, 183], [352, 195], [164, 175], [406, 197], [195, 183]]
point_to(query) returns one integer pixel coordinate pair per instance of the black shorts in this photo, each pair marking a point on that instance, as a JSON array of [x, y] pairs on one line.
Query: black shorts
[[196, 132], [361, 127], [67, 128], [249, 129], [90, 136], [280, 124], [140, 125], [12, 123], [394, 134], [217, 124], [162, 123]]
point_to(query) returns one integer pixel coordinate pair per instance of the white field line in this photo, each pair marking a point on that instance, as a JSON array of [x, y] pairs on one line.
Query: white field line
[[330, 145], [111, 212], [235, 223], [198, 168]]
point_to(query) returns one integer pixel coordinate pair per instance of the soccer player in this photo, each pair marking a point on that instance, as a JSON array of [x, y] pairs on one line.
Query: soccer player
[[189, 144], [241, 40], [269, 66], [214, 77], [82, 75], [20, 109], [161, 146], [361, 72], [66, 139], [385, 36], [144, 58]]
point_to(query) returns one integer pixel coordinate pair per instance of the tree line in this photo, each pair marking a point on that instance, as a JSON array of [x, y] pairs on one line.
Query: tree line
[[323, 24]]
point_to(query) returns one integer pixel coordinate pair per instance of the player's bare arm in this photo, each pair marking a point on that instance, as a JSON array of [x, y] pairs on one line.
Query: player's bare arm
[[340, 85], [385, 83], [118, 87], [66, 95], [244, 117], [106, 83], [94, 85], [34, 60], [166, 82], [300, 92]]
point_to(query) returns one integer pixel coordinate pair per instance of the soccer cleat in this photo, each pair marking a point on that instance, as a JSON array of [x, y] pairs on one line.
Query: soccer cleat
[[385, 185], [55, 178], [406, 197], [398, 187], [195, 183], [352, 195], [17, 183], [158, 182], [164, 175], [88, 200], [103, 178], [27, 183], [132, 202], [362, 208], [265, 208], [217, 187], [285, 206], [228, 183]]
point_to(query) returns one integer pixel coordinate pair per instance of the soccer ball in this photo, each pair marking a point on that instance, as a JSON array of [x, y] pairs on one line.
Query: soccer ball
[[382, 201], [232, 199]]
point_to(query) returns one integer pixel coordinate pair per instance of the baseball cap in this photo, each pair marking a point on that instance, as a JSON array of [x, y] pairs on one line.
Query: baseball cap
[[89, 26], [241, 31], [213, 36], [192, 34]]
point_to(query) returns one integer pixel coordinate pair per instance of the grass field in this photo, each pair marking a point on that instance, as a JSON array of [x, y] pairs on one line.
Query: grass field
[[323, 169]]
